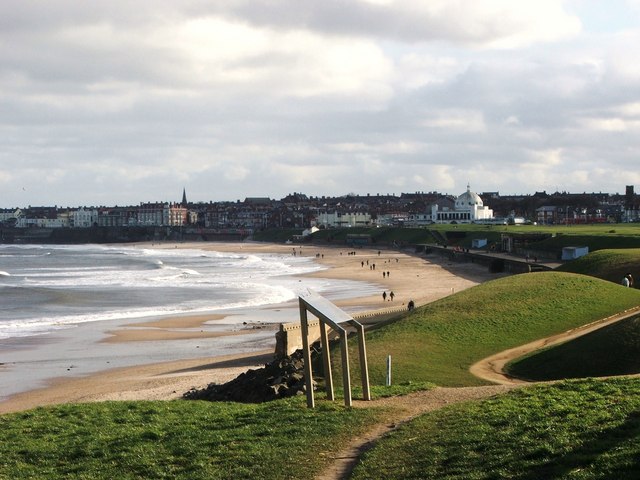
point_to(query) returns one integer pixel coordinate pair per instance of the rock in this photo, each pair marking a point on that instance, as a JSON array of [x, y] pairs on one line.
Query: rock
[[279, 379]]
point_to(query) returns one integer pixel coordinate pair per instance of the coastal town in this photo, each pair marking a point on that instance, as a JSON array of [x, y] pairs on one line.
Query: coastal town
[[298, 210]]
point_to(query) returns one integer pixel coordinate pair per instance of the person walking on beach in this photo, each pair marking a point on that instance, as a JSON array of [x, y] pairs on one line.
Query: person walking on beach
[[391, 295], [384, 296]]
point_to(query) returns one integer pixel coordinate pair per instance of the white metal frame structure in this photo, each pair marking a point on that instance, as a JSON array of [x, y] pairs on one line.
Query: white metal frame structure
[[331, 316]]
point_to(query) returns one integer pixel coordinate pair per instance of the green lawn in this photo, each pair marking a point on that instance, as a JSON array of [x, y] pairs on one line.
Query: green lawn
[[577, 430]]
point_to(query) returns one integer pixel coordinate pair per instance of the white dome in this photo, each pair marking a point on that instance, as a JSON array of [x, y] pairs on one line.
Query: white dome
[[469, 199]]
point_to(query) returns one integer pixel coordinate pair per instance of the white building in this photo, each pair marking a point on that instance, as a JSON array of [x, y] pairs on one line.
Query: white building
[[82, 218], [24, 222], [468, 208], [343, 219], [7, 214]]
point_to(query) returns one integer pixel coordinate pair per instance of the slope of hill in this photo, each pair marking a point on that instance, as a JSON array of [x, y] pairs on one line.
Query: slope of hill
[[439, 341], [607, 264], [612, 350]]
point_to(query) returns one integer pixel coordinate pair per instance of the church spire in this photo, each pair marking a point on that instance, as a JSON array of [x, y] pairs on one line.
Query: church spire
[[184, 197]]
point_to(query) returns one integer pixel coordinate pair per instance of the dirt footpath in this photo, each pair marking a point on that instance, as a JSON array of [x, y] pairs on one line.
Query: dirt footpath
[[406, 408], [491, 368]]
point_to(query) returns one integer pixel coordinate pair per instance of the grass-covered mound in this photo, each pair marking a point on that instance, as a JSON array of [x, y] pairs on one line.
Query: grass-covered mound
[[176, 440], [440, 341], [609, 264], [611, 350], [582, 430]]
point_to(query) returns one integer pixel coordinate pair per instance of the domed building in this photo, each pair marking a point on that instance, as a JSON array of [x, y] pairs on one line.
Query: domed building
[[468, 208]]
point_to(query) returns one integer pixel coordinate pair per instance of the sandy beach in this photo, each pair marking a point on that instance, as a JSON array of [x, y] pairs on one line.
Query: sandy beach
[[409, 276]]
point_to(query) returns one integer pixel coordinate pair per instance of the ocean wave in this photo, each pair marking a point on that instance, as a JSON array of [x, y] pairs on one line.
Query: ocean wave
[[79, 284]]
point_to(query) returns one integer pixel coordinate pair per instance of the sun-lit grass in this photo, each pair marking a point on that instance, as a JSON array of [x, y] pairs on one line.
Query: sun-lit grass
[[608, 264], [578, 430], [176, 440], [440, 341]]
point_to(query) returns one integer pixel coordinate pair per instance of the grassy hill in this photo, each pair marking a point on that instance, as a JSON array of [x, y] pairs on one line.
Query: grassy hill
[[440, 341], [581, 430], [612, 350], [608, 264]]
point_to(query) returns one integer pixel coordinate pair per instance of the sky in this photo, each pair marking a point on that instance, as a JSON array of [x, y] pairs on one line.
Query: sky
[[117, 102]]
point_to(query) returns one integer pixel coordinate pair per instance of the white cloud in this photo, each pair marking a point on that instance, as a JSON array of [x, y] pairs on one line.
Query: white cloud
[[256, 97], [462, 120], [609, 124]]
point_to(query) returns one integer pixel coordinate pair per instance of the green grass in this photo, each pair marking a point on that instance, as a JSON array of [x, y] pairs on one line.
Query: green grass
[[579, 430], [176, 440], [611, 350], [440, 341], [596, 237], [607, 264]]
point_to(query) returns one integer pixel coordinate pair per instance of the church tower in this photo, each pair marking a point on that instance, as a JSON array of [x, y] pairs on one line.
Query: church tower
[[184, 197]]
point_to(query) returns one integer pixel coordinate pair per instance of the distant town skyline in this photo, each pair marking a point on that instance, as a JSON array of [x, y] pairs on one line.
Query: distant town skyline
[[627, 191], [112, 104]]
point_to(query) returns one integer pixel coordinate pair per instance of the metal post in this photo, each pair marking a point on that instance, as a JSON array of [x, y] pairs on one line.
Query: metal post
[[364, 369], [326, 357], [346, 377], [389, 371], [307, 355]]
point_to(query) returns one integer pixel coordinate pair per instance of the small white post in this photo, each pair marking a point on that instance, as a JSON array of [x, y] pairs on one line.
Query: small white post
[[389, 371]]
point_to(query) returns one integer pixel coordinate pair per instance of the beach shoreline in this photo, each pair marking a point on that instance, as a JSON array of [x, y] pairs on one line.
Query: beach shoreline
[[250, 336]]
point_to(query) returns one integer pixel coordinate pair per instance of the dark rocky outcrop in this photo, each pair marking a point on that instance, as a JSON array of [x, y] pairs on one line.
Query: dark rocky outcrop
[[279, 379]]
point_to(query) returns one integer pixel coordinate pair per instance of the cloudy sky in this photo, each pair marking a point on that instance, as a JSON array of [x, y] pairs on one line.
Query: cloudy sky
[[117, 103]]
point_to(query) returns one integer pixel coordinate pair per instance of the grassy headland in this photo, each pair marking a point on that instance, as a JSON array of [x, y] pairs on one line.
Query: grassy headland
[[440, 341]]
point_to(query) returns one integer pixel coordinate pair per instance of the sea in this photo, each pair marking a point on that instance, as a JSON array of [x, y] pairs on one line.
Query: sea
[[46, 288], [59, 303]]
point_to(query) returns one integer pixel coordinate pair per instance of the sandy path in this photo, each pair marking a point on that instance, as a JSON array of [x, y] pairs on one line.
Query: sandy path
[[491, 368]]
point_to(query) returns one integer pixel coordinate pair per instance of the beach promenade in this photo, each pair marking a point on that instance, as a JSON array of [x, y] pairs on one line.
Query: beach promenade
[[408, 275]]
